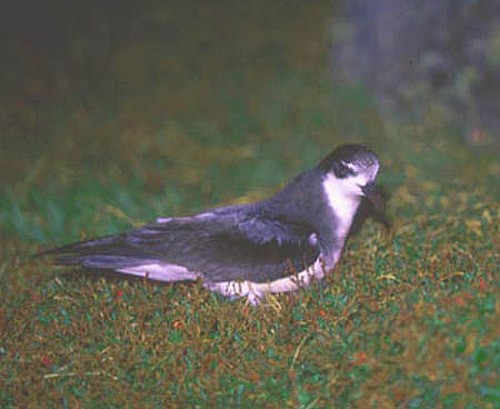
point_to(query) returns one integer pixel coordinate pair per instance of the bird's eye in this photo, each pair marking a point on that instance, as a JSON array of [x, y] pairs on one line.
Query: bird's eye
[[342, 170]]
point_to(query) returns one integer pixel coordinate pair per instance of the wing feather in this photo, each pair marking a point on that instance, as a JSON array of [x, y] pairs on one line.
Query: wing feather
[[221, 247]]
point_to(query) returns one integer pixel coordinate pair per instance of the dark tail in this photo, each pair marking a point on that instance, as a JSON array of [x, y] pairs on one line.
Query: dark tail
[[109, 252]]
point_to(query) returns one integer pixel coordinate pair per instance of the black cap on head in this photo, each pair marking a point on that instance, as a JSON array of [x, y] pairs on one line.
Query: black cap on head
[[338, 161]]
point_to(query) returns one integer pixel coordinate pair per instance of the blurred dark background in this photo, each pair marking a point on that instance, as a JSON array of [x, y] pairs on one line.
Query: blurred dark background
[[76, 77], [421, 56], [171, 107]]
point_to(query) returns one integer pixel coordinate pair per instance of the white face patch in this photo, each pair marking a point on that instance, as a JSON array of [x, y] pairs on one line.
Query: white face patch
[[344, 196], [350, 166], [161, 272]]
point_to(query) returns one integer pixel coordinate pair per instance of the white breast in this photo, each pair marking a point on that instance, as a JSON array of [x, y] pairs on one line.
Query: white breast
[[342, 201]]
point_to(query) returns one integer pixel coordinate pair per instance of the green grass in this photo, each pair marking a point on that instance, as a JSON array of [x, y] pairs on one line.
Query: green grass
[[407, 319]]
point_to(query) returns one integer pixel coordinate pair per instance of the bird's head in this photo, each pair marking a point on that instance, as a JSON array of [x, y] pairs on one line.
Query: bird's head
[[352, 168]]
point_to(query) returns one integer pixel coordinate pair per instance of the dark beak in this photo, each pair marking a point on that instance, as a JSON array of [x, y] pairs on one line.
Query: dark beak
[[368, 188]]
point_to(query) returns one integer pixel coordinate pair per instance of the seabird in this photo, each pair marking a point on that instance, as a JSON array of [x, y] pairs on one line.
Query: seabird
[[276, 245]]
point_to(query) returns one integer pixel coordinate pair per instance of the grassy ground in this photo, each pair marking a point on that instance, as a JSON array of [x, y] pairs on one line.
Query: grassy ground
[[164, 127]]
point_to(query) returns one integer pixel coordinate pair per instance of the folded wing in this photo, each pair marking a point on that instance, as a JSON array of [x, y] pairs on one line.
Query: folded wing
[[217, 247]]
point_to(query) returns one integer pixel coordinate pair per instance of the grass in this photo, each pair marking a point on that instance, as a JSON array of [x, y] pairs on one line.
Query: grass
[[407, 319]]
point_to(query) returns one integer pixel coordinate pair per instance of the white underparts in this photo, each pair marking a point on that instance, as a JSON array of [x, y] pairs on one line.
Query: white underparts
[[233, 289], [161, 272], [256, 291]]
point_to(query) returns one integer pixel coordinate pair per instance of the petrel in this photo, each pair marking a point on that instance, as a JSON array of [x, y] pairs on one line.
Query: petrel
[[275, 245]]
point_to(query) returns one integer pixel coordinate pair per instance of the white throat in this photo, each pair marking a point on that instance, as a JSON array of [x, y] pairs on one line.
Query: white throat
[[343, 203]]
